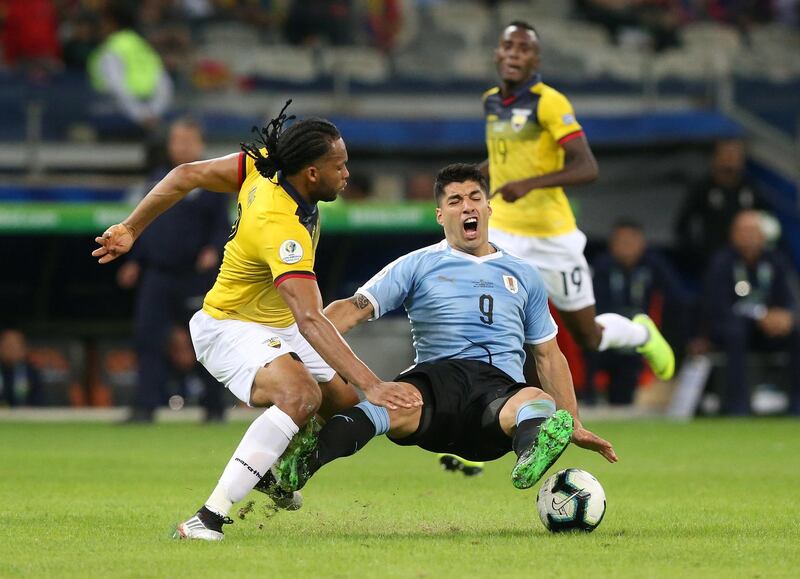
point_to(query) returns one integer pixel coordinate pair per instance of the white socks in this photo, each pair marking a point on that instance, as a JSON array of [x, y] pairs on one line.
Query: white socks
[[620, 332], [262, 444]]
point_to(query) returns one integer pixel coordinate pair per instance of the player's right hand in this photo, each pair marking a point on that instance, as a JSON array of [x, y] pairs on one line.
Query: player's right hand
[[117, 240], [590, 441], [394, 395]]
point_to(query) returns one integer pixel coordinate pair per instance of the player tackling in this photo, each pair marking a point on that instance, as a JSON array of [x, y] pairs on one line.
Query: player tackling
[[261, 330], [475, 313]]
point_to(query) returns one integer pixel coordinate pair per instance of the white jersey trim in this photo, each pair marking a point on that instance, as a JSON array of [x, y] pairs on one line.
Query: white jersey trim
[[488, 257], [376, 310], [547, 338]]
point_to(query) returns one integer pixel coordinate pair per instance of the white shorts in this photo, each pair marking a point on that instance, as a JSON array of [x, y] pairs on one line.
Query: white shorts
[[561, 262], [232, 351]]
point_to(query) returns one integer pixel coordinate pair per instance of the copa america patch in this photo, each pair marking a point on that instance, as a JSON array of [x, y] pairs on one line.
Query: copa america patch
[[568, 119], [290, 251]]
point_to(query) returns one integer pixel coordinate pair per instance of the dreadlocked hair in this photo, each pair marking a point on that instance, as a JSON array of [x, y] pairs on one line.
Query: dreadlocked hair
[[292, 149]]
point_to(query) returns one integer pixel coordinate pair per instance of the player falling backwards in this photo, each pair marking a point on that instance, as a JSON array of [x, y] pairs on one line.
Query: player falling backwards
[[261, 330], [475, 313]]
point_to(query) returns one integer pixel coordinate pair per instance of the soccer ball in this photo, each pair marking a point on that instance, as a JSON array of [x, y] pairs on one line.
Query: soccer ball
[[571, 500]]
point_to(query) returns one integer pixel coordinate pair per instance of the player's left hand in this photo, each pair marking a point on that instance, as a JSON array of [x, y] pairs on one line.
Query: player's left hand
[[590, 441], [207, 259], [512, 191]]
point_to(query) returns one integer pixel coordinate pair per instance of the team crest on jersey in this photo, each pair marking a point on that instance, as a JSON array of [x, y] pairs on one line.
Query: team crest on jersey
[[291, 251], [274, 342], [251, 195], [518, 118], [511, 283]]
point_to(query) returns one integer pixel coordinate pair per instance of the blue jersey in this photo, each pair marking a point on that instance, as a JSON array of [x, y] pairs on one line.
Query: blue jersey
[[462, 306]]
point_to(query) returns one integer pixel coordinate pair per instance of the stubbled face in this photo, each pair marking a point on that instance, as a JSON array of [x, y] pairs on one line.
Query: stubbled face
[[185, 144], [517, 55], [464, 212], [627, 245], [328, 175], [747, 236]]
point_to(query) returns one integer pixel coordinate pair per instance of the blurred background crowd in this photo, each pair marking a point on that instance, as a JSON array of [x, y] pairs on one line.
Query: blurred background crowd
[[691, 107]]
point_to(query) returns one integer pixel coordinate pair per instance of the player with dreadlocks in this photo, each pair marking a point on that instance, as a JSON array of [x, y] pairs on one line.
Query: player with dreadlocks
[[261, 330]]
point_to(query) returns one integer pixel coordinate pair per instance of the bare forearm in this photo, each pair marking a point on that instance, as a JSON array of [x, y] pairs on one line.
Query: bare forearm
[[324, 338], [569, 175], [347, 314], [556, 380], [161, 197]]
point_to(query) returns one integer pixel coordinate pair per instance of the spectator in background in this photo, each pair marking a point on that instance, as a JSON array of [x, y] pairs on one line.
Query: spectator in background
[[384, 22], [30, 35], [20, 382], [711, 204], [80, 39], [190, 380], [174, 263], [128, 69], [313, 21], [749, 307], [419, 186], [629, 279], [358, 188], [659, 19]]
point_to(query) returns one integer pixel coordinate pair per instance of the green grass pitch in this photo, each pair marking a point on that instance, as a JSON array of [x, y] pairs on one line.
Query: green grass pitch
[[711, 498]]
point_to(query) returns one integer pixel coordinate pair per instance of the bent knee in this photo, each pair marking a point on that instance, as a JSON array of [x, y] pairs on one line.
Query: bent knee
[[404, 421], [301, 399]]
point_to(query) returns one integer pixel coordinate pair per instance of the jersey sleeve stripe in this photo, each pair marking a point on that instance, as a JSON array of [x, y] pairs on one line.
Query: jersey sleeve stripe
[[542, 340], [294, 274], [568, 138], [242, 167], [376, 310]]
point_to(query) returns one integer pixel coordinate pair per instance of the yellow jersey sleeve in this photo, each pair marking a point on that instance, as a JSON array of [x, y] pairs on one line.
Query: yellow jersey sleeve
[[288, 249], [247, 165], [557, 117]]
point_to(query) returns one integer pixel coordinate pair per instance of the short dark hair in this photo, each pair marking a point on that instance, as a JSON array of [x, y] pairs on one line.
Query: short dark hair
[[292, 149], [189, 122], [458, 173], [524, 25], [627, 223]]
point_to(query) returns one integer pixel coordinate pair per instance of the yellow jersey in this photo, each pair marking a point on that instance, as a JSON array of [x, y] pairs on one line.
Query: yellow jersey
[[273, 239], [524, 138]]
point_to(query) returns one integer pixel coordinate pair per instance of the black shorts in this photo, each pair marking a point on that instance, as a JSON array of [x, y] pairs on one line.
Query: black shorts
[[462, 406]]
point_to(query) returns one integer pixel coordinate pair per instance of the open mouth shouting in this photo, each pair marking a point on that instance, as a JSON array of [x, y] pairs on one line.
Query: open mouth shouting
[[470, 225]]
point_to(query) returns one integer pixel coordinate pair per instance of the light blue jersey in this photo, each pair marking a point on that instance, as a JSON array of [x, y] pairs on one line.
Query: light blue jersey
[[462, 306]]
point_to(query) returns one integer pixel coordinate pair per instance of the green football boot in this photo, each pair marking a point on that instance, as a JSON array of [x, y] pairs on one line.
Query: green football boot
[[554, 436], [656, 350], [453, 463], [292, 469]]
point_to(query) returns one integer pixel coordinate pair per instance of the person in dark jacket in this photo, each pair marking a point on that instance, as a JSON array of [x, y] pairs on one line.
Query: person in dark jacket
[[173, 265], [749, 306], [20, 382], [627, 279], [712, 202]]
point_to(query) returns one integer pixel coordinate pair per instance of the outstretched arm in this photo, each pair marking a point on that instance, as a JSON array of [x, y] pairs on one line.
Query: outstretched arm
[[347, 314], [220, 174], [304, 300], [580, 167], [556, 380]]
